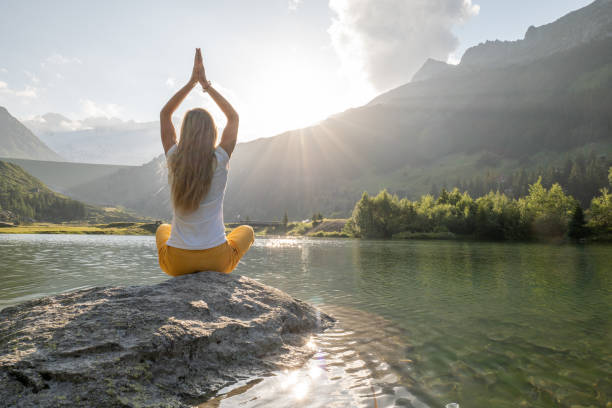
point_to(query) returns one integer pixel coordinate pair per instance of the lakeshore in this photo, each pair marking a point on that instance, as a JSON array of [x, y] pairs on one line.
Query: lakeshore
[[328, 228]]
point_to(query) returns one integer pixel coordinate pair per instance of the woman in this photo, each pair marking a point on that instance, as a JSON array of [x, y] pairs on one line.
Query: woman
[[197, 173]]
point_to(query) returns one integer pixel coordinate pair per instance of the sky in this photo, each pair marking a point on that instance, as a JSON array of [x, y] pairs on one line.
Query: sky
[[283, 64]]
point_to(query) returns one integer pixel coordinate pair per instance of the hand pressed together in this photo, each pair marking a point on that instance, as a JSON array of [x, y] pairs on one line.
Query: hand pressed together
[[198, 75]]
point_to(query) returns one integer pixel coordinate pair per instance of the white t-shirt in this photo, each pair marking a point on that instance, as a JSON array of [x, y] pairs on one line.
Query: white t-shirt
[[203, 228]]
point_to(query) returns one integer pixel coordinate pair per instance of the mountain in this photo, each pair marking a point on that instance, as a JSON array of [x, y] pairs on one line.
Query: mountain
[[18, 142], [432, 68], [62, 176], [591, 23], [24, 198], [453, 125], [142, 188], [98, 140]]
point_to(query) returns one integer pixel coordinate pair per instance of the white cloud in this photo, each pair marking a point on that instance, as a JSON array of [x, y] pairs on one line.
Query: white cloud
[[294, 4], [33, 78], [386, 42], [92, 109], [51, 123], [171, 82], [59, 59], [3, 70], [29, 92], [453, 59]]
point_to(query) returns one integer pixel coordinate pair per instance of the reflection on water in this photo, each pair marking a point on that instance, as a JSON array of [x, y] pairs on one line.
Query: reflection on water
[[420, 324], [347, 370]]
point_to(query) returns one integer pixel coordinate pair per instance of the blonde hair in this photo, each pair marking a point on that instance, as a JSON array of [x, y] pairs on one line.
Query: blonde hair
[[193, 164]]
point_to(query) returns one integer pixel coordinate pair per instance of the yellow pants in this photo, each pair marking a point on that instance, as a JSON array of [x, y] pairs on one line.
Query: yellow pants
[[222, 258]]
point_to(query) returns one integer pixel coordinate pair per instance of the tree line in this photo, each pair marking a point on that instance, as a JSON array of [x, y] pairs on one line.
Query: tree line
[[582, 177], [541, 213], [40, 206]]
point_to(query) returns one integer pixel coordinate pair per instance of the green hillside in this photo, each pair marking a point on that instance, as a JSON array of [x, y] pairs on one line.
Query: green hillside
[[17, 141], [24, 198]]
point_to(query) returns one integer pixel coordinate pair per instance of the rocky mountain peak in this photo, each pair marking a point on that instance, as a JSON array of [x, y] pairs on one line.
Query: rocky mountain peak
[[589, 23], [431, 68]]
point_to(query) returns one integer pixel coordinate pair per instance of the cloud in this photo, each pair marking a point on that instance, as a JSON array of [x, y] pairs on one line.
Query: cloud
[[3, 70], [28, 92], [294, 4], [10, 97], [171, 82], [453, 59], [386, 41], [33, 78], [59, 59], [52, 123], [92, 109]]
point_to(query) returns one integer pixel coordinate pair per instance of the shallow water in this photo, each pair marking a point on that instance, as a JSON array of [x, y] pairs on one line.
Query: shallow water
[[420, 324]]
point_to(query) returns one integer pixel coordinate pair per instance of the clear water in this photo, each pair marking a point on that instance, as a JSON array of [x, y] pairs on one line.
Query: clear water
[[421, 324]]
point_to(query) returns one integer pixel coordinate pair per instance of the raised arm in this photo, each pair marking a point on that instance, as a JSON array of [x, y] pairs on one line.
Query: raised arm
[[168, 133], [230, 133]]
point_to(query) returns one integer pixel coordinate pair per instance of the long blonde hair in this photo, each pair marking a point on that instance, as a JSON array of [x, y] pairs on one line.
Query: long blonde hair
[[193, 164]]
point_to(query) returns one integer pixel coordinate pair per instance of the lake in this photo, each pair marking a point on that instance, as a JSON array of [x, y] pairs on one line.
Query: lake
[[420, 323]]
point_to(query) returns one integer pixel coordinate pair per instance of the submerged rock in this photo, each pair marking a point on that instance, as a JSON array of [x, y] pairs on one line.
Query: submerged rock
[[169, 345]]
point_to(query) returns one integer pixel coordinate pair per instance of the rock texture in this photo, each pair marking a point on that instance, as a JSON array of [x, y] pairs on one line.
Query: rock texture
[[590, 23], [168, 345]]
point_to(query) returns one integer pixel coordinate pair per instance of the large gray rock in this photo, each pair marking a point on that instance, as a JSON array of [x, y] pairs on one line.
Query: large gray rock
[[169, 345]]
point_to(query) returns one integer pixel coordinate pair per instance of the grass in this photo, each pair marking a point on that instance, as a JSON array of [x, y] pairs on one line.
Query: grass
[[328, 228], [128, 228]]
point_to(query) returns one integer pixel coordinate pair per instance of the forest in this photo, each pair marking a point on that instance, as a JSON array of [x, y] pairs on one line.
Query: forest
[[543, 213], [581, 176], [25, 199]]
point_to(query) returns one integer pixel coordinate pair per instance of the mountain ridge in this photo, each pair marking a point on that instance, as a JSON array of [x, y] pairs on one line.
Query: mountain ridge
[[19, 142], [592, 22]]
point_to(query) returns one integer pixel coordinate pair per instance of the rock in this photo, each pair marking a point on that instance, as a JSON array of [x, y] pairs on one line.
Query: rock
[[590, 23], [167, 345], [432, 69]]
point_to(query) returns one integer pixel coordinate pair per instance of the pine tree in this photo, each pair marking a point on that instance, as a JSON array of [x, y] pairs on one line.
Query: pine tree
[[577, 228]]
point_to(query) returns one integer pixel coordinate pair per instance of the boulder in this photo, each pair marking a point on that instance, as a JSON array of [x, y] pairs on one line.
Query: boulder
[[172, 344]]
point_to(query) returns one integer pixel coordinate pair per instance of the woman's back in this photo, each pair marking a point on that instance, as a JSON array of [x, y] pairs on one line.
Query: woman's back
[[197, 173], [204, 227]]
